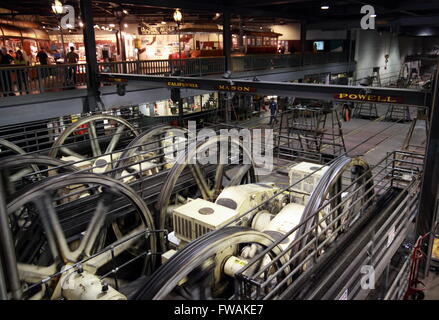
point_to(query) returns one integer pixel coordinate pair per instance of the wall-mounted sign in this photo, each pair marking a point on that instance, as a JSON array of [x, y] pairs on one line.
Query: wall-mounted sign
[[176, 84], [367, 98], [224, 87], [155, 30]]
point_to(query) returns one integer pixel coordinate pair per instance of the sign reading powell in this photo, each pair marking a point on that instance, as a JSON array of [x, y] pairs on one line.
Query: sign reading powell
[[367, 98]]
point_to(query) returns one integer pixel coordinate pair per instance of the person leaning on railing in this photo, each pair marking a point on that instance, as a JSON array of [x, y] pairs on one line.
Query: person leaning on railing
[[43, 59], [6, 81], [72, 59], [22, 76]]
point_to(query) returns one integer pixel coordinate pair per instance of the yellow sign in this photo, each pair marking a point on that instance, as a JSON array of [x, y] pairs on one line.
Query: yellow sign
[[367, 98], [183, 84], [224, 87], [111, 79]]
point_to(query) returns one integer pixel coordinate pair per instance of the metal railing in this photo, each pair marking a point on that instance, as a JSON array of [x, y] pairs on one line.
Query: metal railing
[[187, 67], [269, 62], [22, 80], [39, 79]]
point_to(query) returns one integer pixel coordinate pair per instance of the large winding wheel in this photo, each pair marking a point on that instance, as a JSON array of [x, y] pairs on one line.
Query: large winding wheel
[[20, 171], [199, 271], [151, 152], [68, 218], [338, 200], [196, 272], [93, 137], [9, 148], [188, 178]]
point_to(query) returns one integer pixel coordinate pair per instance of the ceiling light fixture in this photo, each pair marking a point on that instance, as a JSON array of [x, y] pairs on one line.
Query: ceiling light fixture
[[177, 16], [57, 7], [324, 7]]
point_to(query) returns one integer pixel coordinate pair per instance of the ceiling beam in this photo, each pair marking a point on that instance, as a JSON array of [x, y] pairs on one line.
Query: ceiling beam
[[312, 91]]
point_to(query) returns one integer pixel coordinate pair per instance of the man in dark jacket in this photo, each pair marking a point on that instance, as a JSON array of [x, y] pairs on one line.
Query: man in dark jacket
[[5, 61], [273, 111]]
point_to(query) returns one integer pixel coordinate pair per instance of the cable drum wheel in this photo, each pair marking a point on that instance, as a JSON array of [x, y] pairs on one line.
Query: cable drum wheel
[[188, 269], [48, 235], [153, 143], [31, 167], [330, 185], [87, 127], [14, 148], [11, 147], [186, 165]]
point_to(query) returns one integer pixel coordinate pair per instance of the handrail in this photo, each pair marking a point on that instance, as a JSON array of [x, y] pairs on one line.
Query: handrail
[[18, 80]]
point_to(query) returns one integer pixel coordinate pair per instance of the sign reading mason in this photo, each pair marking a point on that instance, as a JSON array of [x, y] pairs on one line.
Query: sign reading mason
[[225, 87], [176, 84], [367, 98]]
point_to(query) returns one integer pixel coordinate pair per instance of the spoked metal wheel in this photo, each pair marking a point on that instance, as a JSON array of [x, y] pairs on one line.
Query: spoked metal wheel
[[8, 148], [197, 271], [93, 137], [20, 171], [66, 219], [189, 178], [339, 199], [150, 152]]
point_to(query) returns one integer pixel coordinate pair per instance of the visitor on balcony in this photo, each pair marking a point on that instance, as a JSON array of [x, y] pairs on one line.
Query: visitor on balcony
[[6, 81], [56, 56], [72, 59], [43, 59], [20, 61]]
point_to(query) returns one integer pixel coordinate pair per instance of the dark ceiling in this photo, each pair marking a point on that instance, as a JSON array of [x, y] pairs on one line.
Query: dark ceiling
[[341, 14]]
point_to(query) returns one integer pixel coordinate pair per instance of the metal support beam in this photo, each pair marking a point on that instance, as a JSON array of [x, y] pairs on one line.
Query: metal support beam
[[180, 112], [241, 37], [228, 107], [227, 41], [123, 53], [425, 221], [302, 40], [409, 97], [90, 53]]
